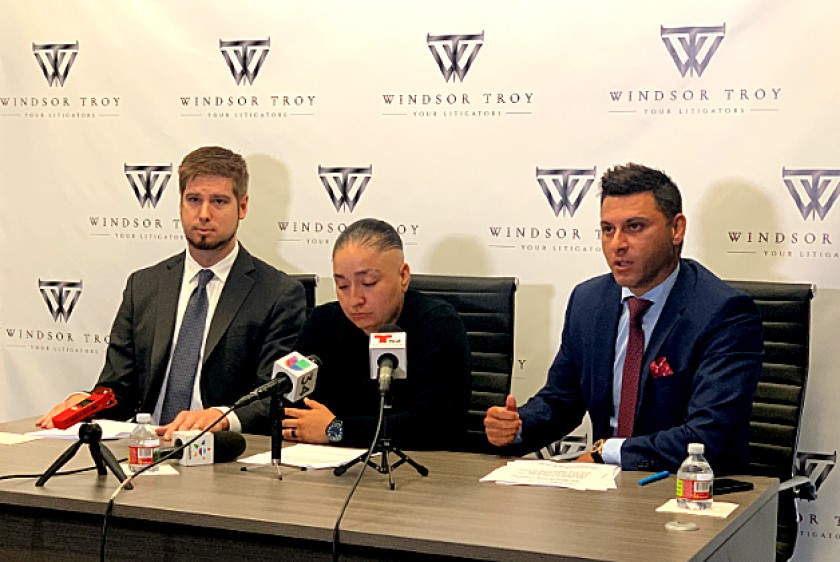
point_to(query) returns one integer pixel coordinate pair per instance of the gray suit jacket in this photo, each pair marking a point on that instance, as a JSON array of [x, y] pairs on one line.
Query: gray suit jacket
[[256, 321]]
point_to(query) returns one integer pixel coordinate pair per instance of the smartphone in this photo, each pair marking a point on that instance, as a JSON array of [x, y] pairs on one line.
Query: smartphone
[[729, 485]]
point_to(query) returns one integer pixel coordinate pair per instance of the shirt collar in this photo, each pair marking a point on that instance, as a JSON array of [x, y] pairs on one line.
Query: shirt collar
[[220, 269], [658, 293]]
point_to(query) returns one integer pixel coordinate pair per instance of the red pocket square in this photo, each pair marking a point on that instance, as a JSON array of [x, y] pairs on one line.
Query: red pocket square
[[660, 368]]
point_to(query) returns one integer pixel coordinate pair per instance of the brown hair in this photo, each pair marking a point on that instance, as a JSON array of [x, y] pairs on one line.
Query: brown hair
[[215, 161]]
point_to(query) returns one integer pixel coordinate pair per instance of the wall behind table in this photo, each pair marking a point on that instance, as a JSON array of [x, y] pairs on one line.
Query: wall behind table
[[741, 112]]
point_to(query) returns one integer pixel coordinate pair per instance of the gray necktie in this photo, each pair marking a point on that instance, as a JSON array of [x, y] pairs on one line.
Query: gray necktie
[[185, 359]]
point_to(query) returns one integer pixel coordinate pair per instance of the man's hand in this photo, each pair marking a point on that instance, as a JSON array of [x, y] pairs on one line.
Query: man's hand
[[196, 419], [307, 426], [46, 422], [585, 457], [502, 424]]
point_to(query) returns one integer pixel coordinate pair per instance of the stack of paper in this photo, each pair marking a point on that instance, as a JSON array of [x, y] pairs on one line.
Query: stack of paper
[[578, 476], [304, 455]]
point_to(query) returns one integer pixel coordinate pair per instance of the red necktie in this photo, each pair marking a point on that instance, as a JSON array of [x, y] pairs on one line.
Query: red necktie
[[632, 367]]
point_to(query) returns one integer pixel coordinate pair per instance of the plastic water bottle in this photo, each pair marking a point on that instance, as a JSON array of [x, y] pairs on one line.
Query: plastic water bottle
[[694, 480], [143, 443]]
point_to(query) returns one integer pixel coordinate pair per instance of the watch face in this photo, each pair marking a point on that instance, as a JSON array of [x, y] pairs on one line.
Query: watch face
[[335, 431]]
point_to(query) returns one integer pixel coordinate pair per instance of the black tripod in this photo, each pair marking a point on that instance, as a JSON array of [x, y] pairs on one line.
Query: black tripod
[[90, 433], [384, 446]]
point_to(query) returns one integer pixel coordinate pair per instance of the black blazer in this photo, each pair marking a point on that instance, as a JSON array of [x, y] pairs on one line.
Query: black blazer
[[256, 321]]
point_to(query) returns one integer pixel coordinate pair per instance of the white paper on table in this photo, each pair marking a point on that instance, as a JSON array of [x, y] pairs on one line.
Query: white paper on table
[[304, 455], [110, 430], [601, 479], [579, 476], [718, 509], [15, 438]]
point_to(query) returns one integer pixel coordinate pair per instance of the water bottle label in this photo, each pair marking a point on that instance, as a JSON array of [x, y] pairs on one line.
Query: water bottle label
[[694, 490], [141, 455]]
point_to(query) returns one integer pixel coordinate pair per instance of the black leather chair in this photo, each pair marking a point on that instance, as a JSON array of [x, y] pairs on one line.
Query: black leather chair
[[309, 282], [486, 306], [785, 310]]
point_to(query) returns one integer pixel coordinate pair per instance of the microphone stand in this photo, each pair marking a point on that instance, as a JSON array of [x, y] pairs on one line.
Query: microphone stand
[[90, 434], [276, 414], [385, 446]]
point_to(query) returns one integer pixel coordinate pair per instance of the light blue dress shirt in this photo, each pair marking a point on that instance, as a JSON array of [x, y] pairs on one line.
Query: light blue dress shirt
[[658, 296]]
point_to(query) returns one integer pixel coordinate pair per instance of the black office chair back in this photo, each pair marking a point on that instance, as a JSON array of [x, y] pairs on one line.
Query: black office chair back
[[785, 310], [309, 282], [486, 306]]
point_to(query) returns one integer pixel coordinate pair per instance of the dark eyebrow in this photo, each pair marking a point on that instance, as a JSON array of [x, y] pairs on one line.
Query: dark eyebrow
[[358, 273], [366, 272]]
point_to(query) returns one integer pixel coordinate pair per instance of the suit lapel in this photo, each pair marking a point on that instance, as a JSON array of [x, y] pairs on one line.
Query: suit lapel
[[168, 289], [671, 314], [238, 285], [605, 324]]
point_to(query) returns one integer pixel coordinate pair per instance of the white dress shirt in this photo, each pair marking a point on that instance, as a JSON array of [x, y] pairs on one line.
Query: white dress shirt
[[220, 270]]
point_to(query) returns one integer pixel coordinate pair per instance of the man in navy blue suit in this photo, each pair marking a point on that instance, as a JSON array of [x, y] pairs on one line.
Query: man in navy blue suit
[[696, 354]]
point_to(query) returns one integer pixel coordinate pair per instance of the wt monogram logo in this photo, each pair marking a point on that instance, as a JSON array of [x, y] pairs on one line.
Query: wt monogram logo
[[455, 54], [61, 297], [244, 57], [697, 46], [345, 185], [56, 60], [814, 191], [816, 466], [565, 188], [148, 182]]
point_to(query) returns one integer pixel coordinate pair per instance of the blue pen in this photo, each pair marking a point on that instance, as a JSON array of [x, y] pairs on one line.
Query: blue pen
[[654, 478]]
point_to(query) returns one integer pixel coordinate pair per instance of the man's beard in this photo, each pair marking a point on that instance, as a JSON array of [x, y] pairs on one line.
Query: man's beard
[[203, 244]]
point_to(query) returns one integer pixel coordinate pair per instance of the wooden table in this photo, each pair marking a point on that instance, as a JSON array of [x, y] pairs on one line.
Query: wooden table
[[221, 512]]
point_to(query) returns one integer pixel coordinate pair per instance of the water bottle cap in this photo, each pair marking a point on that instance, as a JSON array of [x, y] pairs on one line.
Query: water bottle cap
[[144, 418], [696, 448]]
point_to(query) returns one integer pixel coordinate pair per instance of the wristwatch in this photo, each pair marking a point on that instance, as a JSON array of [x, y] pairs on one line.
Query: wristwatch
[[335, 431], [597, 449]]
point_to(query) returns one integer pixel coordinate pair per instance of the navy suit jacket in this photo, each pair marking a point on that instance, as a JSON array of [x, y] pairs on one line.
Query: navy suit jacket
[[256, 321], [711, 336]]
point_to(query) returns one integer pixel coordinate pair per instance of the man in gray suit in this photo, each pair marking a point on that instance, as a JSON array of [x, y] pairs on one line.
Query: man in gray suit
[[200, 329]]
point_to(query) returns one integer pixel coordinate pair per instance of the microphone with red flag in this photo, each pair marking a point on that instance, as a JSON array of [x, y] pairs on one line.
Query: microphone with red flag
[[387, 355]]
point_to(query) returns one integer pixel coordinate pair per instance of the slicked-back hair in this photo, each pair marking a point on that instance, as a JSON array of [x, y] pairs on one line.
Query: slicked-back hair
[[215, 161], [372, 233], [631, 178]]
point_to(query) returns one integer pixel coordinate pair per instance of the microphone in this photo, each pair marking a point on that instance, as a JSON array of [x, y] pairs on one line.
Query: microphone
[[294, 375], [223, 446], [387, 355], [301, 373]]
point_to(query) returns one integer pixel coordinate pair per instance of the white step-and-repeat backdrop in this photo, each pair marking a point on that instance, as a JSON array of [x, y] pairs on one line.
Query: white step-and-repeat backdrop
[[478, 128]]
